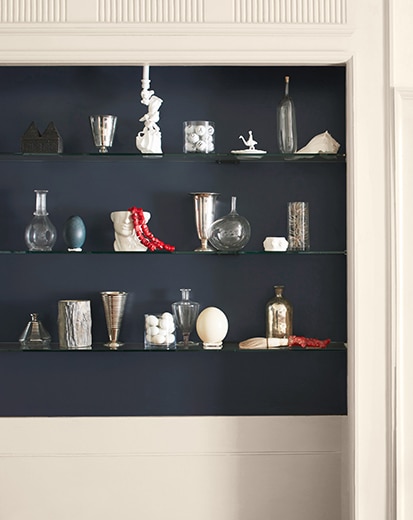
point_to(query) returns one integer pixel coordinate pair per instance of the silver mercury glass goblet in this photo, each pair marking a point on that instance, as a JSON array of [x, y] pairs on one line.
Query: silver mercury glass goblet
[[205, 203], [185, 314], [103, 131], [114, 305]]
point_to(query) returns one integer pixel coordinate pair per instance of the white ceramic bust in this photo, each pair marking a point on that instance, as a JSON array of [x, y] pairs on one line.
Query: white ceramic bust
[[125, 234]]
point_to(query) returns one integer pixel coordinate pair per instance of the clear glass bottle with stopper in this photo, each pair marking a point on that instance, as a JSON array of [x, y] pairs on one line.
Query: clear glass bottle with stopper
[[287, 129], [40, 234], [185, 314], [34, 336], [279, 319]]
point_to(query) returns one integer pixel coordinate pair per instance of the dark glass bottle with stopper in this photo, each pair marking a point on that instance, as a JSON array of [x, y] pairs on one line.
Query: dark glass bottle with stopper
[[287, 129], [279, 319]]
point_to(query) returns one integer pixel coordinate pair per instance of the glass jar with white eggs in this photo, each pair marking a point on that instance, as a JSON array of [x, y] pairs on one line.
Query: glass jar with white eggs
[[159, 331]]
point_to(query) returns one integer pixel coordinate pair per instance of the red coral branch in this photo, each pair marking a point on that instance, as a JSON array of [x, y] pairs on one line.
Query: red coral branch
[[143, 232], [301, 341]]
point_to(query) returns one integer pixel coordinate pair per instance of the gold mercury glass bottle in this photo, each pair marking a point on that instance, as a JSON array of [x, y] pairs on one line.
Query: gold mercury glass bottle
[[279, 319]]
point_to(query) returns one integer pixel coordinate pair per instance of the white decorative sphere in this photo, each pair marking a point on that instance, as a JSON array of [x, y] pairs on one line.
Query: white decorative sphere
[[190, 147], [200, 130], [152, 331], [151, 320], [212, 327], [193, 138], [159, 339], [166, 325], [170, 338], [201, 146]]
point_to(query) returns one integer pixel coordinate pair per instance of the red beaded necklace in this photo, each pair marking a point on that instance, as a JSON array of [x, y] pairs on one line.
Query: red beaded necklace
[[143, 232]]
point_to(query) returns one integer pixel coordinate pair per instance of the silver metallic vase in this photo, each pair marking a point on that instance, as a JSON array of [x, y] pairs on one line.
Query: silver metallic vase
[[103, 131], [205, 203], [114, 306]]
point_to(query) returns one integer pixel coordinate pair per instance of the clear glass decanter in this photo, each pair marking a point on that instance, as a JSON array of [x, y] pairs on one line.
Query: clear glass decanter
[[230, 233], [279, 319], [287, 129], [40, 234], [35, 336], [185, 315]]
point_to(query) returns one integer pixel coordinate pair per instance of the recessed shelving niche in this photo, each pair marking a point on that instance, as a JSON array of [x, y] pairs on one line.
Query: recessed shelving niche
[[81, 181]]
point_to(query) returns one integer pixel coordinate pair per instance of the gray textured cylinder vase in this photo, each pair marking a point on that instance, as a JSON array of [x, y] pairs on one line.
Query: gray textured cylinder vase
[[74, 324]]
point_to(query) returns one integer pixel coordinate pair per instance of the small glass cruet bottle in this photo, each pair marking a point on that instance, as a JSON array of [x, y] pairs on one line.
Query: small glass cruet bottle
[[34, 335], [287, 129], [279, 319], [185, 314], [40, 234]]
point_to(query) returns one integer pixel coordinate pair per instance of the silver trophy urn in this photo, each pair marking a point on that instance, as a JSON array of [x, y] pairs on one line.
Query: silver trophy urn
[[204, 216]]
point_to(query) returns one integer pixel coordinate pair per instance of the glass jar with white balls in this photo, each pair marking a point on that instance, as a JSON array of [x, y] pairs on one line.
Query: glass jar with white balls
[[159, 331], [199, 136]]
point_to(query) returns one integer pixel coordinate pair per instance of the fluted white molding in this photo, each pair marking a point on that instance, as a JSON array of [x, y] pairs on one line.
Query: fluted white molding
[[151, 11], [288, 12], [291, 11], [32, 11]]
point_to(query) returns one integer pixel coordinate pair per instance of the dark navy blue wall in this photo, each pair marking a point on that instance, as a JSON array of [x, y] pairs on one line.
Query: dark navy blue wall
[[237, 99]]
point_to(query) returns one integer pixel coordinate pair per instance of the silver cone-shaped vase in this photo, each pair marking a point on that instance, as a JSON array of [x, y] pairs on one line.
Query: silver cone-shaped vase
[[114, 305]]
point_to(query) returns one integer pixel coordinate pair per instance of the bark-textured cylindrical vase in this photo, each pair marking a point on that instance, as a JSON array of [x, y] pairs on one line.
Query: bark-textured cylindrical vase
[[74, 324]]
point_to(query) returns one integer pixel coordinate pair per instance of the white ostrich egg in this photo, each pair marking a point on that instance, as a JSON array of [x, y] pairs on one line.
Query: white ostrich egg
[[212, 326]]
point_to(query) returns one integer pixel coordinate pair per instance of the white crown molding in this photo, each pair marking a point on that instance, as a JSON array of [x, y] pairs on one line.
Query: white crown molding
[[172, 58], [172, 44], [176, 29], [172, 11]]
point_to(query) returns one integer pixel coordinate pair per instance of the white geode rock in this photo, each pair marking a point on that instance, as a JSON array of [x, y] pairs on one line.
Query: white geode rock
[[321, 143]]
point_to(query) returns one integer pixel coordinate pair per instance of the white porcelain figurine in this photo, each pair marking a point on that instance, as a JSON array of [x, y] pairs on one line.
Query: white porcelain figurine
[[125, 234], [149, 140], [250, 144]]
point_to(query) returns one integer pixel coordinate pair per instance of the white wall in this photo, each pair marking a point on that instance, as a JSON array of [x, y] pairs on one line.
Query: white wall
[[177, 468]]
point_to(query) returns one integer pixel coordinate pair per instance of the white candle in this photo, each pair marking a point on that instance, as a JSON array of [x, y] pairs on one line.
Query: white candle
[[145, 72]]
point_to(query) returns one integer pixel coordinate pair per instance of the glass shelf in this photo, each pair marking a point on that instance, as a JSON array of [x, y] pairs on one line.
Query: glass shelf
[[179, 157], [195, 253], [139, 347]]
